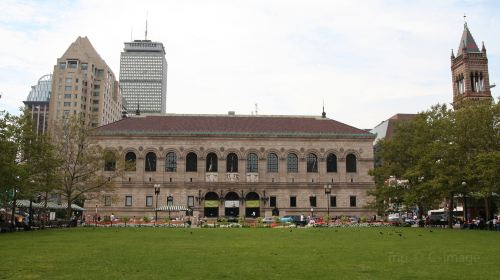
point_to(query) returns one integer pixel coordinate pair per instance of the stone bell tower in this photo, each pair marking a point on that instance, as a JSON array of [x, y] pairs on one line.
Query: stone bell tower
[[469, 70]]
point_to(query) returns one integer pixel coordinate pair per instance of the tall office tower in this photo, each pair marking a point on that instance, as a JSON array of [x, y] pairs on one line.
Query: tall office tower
[[84, 84], [143, 76], [37, 102]]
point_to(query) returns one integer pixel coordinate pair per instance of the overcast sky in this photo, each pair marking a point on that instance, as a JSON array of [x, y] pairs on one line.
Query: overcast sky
[[367, 60]]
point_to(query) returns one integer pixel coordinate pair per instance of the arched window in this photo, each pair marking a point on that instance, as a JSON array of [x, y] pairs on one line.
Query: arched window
[[109, 161], [312, 163], [252, 163], [130, 161], [331, 163], [272, 163], [191, 162], [150, 164], [232, 163], [212, 162], [171, 162], [350, 163], [292, 163]]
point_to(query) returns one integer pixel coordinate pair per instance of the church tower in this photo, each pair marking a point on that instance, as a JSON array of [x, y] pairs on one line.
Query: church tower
[[469, 70]]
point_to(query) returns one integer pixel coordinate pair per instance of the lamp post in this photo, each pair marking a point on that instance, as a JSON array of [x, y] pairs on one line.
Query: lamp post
[[95, 217], [312, 213], [328, 191], [464, 210], [170, 200], [157, 192]]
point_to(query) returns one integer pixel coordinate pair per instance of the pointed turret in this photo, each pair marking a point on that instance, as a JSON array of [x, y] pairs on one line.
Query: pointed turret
[[467, 43], [452, 55], [483, 49]]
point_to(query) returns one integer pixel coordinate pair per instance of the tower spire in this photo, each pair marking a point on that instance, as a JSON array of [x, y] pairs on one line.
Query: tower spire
[[323, 114]]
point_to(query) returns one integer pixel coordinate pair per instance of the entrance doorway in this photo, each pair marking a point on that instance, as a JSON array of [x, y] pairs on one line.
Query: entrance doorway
[[252, 205], [232, 205], [211, 207]]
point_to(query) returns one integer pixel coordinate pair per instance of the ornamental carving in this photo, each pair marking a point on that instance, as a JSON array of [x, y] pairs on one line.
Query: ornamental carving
[[141, 148], [222, 149]]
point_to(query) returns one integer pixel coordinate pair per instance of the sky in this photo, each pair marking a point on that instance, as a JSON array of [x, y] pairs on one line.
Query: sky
[[365, 60]]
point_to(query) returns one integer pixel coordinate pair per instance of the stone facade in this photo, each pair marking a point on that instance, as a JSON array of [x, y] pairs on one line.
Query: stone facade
[[185, 187]]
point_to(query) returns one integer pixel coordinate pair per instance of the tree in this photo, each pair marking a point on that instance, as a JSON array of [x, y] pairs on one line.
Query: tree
[[82, 162]]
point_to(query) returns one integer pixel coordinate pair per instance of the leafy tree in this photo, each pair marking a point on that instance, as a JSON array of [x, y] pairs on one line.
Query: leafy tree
[[81, 170]]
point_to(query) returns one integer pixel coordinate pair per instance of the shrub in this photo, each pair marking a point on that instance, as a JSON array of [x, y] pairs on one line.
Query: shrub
[[364, 219], [146, 219]]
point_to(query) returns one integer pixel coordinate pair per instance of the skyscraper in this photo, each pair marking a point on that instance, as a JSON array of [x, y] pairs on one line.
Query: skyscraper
[[84, 84], [143, 76], [38, 102]]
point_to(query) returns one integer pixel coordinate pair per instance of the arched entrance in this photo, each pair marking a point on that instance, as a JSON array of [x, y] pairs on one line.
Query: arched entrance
[[252, 205], [232, 205], [211, 207]]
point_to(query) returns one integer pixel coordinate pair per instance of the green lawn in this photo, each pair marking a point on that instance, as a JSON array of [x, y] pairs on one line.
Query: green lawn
[[235, 253]]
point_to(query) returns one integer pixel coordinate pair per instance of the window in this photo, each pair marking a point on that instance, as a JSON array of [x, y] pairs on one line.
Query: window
[[62, 65], [312, 201], [292, 163], [252, 163], [333, 201], [331, 163], [171, 162], [352, 201], [150, 164], [232, 163], [68, 88], [128, 200], [67, 96], [190, 202], [149, 201], [84, 66], [312, 163], [272, 201], [191, 162], [272, 163], [293, 201], [350, 165], [130, 162], [211, 163], [107, 200], [109, 161], [68, 80], [67, 104], [72, 64], [170, 200]]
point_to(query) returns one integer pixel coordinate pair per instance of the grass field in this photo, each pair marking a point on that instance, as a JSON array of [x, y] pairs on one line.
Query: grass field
[[344, 253]]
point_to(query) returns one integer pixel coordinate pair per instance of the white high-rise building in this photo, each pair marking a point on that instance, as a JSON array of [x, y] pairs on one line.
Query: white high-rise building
[[143, 77]]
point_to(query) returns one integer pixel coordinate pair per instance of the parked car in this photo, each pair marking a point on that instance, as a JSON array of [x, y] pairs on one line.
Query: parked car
[[268, 220]]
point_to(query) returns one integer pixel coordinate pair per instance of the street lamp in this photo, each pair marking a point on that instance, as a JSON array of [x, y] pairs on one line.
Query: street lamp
[[312, 212], [328, 191], [157, 192], [170, 202]]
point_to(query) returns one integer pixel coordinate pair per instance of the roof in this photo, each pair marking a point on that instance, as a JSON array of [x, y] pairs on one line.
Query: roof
[[386, 128], [41, 91], [231, 125], [467, 41]]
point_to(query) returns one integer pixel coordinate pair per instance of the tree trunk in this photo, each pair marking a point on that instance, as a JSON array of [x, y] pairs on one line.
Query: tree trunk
[[420, 211], [68, 211], [487, 207], [30, 214], [44, 215], [13, 217], [450, 211]]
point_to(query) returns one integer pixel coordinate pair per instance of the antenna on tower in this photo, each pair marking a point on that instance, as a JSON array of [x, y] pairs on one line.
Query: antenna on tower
[[256, 111], [323, 114], [146, 32]]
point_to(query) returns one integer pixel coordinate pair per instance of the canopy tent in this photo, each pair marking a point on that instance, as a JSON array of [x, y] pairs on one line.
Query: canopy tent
[[24, 203], [172, 208]]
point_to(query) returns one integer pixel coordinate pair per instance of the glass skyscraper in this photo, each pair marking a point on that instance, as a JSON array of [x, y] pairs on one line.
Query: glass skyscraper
[[143, 77]]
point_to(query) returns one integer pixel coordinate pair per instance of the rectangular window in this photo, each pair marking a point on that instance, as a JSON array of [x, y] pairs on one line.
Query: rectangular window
[[62, 65], [107, 200], [352, 200], [67, 95], [128, 200], [149, 201], [72, 64], [272, 201], [312, 201], [67, 104], [190, 201], [84, 66], [68, 80], [67, 88], [333, 201], [293, 201]]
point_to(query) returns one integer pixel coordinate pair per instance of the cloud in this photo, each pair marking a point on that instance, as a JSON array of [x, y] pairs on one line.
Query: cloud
[[366, 59]]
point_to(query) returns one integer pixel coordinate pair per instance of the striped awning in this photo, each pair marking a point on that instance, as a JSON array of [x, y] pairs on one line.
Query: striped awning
[[172, 208], [24, 203]]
